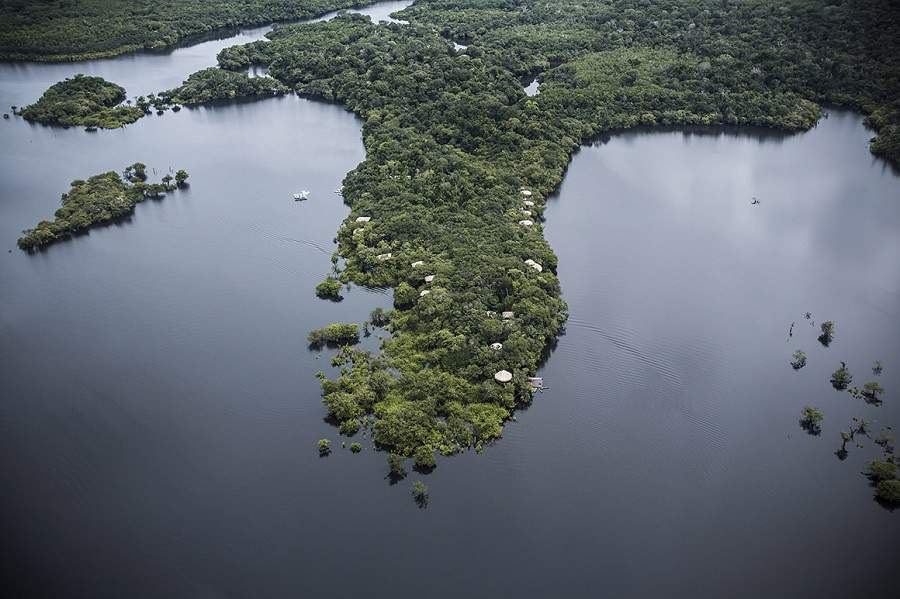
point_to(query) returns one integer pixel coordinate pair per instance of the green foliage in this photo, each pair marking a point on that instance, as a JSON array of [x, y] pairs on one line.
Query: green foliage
[[135, 172], [181, 177], [879, 470], [334, 334], [330, 288], [451, 140], [811, 420], [827, 335], [423, 458], [355, 447], [98, 200], [841, 378], [871, 392], [798, 359], [84, 101], [65, 30], [214, 84], [324, 447], [397, 466], [380, 317], [420, 493], [888, 491]]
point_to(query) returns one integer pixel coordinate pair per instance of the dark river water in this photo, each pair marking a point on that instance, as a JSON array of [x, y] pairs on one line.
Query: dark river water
[[159, 411]]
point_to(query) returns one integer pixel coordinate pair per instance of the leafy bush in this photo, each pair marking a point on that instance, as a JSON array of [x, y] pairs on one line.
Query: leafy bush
[[888, 491], [334, 334], [841, 378], [420, 493], [330, 288], [324, 447], [811, 420]]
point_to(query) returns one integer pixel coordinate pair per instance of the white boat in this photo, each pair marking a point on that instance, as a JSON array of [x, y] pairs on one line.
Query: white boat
[[303, 195], [296, 196]]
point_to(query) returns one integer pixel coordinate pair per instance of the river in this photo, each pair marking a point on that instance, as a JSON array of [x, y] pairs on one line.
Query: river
[[159, 410]]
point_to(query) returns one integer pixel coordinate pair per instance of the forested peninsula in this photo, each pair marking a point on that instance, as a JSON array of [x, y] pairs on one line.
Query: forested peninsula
[[68, 30], [447, 206]]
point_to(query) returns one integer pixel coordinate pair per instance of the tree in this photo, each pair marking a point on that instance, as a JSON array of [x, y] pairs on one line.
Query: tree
[[420, 493], [181, 177], [798, 360], [811, 420], [136, 172], [355, 447], [324, 447], [423, 458], [397, 465], [841, 377], [888, 491], [871, 391], [827, 335], [879, 470], [330, 288], [167, 181]]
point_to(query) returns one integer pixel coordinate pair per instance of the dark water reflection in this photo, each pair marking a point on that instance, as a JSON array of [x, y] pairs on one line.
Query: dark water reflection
[[159, 411]]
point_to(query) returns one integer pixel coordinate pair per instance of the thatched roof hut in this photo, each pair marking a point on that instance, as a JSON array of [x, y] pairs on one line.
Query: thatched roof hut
[[526, 193], [417, 263], [363, 219], [383, 257], [429, 278], [503, 376], [526, 223], [496, 346], [425, 292], [507, 315], [528, 203]]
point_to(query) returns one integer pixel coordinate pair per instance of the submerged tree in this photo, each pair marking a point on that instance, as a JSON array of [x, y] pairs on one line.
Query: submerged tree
[[827, 335], [324, 447], [841, 377], [397, 466], [330, 288], [181, 177], [798, 359], [879, 470], [846, 437], [420, 493], [811, 420], [871, 391], [888, 491]]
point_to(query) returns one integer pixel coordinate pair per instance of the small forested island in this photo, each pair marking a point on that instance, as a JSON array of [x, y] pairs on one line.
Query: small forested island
[[214, 84], [100, 199], [83, 101], [58, 30]]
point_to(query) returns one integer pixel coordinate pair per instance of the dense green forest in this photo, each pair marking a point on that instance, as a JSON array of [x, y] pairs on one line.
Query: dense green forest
[[63, 30], [447, 206], [214, 84], [98, 200], [81, 100]]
